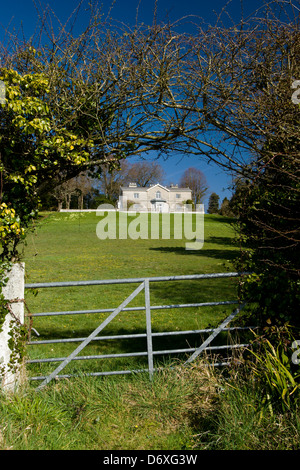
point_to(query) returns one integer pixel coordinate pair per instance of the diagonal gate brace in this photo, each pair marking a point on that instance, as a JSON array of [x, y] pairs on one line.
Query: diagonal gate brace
[[214, 334], [92, 336]]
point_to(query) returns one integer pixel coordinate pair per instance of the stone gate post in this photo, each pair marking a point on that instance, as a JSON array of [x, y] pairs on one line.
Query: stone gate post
[[11, 365]]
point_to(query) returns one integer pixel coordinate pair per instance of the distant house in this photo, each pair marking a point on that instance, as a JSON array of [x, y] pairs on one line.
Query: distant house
[[156, 198]]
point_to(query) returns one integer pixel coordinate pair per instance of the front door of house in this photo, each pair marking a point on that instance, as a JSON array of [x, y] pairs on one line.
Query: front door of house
[[161, 207]]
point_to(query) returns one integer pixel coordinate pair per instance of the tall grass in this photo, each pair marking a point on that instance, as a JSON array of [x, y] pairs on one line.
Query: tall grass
[[245, 422], [182, 408], [109, 414]]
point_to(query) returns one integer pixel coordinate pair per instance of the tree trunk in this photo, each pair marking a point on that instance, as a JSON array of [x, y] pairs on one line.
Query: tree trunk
[[80, 201]]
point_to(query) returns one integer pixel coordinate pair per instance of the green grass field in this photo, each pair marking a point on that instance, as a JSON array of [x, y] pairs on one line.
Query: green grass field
[[181, 408], [65, 247]]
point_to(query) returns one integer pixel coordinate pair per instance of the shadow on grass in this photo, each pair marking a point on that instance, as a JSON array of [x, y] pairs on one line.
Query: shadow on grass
[[224, 254], [226, 248], [216, 253], [227, 241]]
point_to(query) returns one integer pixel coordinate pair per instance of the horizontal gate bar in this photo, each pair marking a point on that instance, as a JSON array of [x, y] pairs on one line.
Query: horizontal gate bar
[[132, 280], [136, 335], [137, 354], [133, 309]]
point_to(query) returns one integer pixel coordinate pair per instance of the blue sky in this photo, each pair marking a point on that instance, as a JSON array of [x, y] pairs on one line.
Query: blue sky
[[23, 12]]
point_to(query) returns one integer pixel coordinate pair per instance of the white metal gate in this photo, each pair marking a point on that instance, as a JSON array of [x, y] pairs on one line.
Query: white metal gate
[[143, 284]]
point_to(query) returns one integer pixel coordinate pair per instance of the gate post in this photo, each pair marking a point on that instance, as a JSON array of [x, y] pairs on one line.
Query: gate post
[[11, 366]]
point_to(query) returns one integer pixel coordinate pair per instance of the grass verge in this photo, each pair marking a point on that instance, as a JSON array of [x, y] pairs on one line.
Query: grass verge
[[193, 408]]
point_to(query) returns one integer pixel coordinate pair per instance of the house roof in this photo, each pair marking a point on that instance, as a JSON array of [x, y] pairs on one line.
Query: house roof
[[158, 185]]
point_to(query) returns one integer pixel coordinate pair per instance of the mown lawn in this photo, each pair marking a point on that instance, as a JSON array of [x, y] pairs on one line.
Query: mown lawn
[[65, 247]]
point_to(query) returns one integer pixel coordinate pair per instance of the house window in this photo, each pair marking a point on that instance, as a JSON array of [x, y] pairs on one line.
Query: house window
[[158, 195], [178, 196], [136, 195]]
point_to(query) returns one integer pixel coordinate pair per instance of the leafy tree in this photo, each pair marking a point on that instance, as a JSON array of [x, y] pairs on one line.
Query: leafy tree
[[226, 208], [213, 204], [33, 147], [268, 226]]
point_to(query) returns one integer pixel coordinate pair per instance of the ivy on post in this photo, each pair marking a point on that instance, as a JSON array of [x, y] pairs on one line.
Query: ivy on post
[[11, 301], [11, 328]]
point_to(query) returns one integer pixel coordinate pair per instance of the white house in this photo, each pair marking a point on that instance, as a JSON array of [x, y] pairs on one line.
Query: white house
[[155, 198]]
